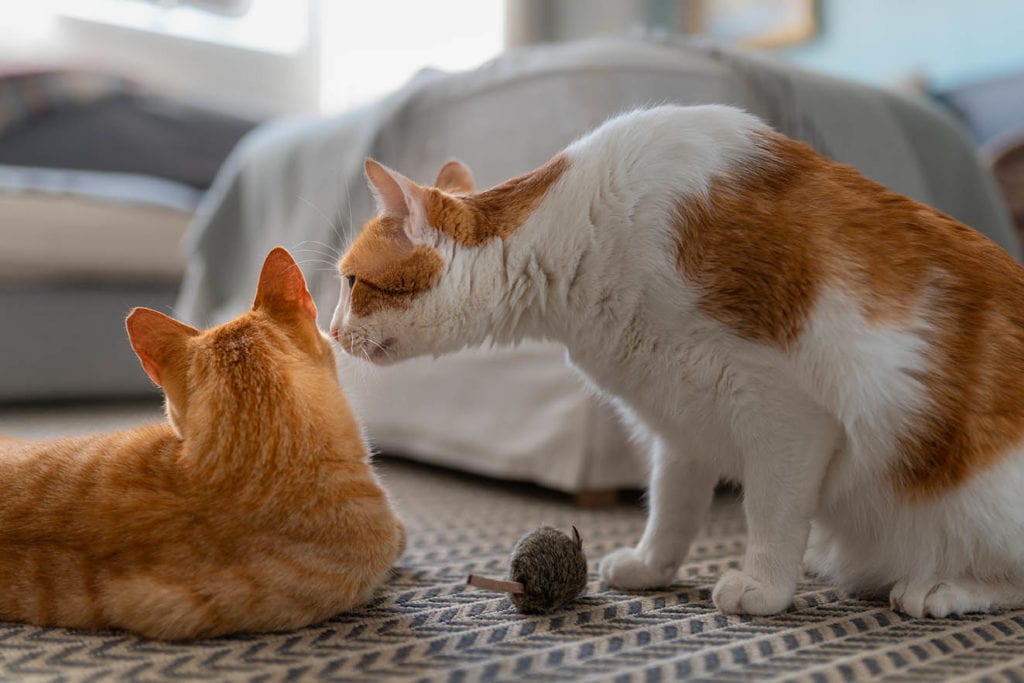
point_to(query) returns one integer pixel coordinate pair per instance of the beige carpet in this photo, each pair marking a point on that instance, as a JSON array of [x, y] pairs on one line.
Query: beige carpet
[[426, 624]]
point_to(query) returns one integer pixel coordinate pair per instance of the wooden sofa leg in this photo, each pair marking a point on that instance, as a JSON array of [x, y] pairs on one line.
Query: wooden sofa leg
[[596, 498]]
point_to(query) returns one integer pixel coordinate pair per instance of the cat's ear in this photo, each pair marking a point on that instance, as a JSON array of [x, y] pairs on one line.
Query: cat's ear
[[282, 287], [157, 340], [455, 176], [398, 197], [386, 186]]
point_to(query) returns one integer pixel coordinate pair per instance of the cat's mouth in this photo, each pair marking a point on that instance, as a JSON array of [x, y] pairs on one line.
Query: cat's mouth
[[361, 346]]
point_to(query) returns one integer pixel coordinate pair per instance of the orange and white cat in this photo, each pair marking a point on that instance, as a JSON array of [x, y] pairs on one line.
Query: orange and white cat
[[254, 509], [855, 358]]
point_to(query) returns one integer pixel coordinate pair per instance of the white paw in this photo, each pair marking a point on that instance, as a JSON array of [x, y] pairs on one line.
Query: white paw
[[818, 555], [933, 598], [625, 569], [739, 593], [814, 561]]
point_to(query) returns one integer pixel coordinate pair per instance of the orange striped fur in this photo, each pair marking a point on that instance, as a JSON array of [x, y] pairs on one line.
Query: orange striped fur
[[256, 510]]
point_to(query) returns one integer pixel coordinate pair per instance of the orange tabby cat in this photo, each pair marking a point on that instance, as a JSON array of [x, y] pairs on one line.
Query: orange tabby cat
[[255, 509]]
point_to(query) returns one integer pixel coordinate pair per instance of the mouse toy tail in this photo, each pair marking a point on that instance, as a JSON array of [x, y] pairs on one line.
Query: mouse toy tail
[[495, 584]]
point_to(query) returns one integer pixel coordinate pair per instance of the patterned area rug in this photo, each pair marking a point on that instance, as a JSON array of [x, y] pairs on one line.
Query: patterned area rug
[[426, 624]]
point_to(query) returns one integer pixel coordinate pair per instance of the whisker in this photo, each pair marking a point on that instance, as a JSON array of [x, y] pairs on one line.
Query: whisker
[[316, 208], [379, 346], [330, 265], [331, 252], [344, 230]]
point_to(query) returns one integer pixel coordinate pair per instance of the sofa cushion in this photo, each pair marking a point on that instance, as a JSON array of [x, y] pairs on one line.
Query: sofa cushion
[[63, 225]]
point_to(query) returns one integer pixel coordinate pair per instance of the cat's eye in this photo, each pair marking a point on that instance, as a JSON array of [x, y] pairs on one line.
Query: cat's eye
[[351, 281]]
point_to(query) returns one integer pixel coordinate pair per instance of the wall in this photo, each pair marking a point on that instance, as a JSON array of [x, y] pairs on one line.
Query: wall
[[949, 42], [542, 21]]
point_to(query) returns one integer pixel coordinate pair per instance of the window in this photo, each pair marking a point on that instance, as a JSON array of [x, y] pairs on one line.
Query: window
[[371, 48]]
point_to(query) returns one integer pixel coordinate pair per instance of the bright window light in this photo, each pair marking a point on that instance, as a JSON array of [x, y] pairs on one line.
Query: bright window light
[[275, 26], [371, 48]]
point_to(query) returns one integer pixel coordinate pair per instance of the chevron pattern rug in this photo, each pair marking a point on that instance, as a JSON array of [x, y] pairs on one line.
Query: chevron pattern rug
[[426, 624]]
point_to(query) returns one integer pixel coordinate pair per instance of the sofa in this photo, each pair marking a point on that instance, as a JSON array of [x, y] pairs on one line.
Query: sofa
[[99, 180]]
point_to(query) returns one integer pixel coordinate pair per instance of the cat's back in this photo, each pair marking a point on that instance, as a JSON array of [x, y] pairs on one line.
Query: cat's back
[[140, 446], [85, 485], [683, 146], [888, 250]]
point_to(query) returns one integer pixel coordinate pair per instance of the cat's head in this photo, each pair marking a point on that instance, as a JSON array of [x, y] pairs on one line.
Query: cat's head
[[427, 274], [255, 358]]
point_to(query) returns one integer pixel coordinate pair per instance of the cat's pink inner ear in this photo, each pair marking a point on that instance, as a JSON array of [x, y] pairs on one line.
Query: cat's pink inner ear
[[150, 366], [156, 338], [455, 176], [387, 188], [282, 285], [398, 197], [416, 225]]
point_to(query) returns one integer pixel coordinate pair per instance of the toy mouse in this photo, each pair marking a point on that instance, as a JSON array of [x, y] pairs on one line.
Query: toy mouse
[[547, 571]]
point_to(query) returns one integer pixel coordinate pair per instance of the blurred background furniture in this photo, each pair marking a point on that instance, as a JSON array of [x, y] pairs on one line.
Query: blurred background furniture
[[98, 183], [992, 110], [521, 413], [1005, 156]]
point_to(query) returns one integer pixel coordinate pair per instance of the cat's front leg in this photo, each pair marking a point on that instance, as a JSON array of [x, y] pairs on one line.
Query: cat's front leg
[[679, 495], [786, 444]]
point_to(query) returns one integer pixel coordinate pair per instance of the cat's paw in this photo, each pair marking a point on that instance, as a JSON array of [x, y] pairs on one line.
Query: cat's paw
[[625, 569], [933, 598], [814, 561], [740, 593], [818, 555]]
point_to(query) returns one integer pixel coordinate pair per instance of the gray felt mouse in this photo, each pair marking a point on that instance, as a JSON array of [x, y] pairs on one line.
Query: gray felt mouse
[[548, 570]]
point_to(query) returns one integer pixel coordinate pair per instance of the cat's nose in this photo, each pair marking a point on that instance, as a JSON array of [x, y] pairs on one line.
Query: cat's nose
[[335, 333]]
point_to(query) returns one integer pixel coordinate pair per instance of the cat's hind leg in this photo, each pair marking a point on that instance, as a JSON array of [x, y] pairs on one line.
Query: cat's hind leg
[[158, 608], [952, 597]]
